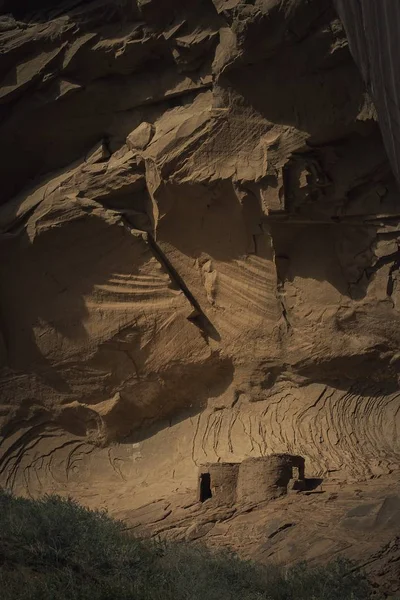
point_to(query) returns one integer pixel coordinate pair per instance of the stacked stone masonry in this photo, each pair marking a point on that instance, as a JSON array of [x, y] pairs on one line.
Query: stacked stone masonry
[[253, 481]]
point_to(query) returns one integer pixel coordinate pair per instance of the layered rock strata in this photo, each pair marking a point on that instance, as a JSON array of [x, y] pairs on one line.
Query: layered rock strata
[[199, 235]]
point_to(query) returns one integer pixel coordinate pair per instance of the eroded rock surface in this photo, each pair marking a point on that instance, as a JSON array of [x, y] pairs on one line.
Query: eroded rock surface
[[358, 521], [199, 236]]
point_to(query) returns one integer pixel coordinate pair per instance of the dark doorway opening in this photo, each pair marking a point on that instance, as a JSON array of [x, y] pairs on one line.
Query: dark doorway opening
[[205, 487]]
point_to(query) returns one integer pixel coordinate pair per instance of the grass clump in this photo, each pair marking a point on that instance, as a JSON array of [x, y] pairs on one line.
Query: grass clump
[[56, 549]]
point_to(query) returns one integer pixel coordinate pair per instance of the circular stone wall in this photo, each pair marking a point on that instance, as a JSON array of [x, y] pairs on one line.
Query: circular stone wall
[[223, 481], [266, 478]]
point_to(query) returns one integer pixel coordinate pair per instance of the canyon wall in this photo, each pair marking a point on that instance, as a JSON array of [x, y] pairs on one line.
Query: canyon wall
[[199, 237], [372, 29]]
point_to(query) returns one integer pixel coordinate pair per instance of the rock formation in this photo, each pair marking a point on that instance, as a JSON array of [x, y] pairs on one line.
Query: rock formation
[[199, 235], [372, 29]]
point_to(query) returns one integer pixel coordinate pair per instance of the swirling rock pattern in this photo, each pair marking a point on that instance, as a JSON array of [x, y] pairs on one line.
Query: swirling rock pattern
[[199, 233]]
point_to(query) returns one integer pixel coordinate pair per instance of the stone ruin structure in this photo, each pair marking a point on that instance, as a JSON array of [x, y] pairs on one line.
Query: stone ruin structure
[[253, 481]]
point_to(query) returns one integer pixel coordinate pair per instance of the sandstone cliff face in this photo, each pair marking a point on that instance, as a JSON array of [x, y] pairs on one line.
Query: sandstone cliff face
[[199, 235], [372, 30]]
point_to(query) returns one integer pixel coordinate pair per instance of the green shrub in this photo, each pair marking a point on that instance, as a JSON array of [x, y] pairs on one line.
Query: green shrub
[[56, 549]]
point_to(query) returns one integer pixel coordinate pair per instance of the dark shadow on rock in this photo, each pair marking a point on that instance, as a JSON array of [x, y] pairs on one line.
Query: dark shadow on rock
[[211, 223], [340, 254], [312, 484], [311, 252], [314, 89], [357, 375], [97, 87], [44, 285], [181, 392], [294, 78], [38, 11]]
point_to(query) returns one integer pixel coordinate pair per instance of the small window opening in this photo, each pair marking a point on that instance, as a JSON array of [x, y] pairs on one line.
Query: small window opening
[[295, 473], [205, 487]]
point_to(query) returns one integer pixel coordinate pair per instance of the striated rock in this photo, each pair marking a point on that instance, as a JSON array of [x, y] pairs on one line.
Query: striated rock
[[372, 29], [200, 240], [357, 521]]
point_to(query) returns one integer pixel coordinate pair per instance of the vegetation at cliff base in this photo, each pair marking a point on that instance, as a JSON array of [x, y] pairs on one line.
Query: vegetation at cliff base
[[55, 549]]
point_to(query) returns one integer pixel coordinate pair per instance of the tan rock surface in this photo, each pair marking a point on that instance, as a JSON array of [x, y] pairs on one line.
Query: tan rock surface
[[357, 521], [199, 235]]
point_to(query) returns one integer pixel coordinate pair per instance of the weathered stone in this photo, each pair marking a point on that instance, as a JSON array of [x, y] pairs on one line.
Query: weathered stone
[[295, 486], [140, 138], [199, 237], [266, 478], [218, 482]]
